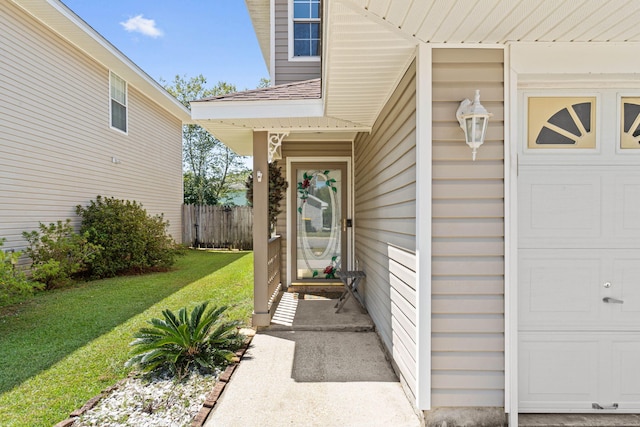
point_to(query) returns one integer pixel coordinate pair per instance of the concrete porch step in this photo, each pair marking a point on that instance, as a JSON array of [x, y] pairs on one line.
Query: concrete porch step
[[578, 420], [318, 328], [316, 312]]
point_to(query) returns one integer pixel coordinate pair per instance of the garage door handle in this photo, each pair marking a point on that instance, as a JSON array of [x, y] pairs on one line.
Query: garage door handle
[[612, 300], [596, 406]]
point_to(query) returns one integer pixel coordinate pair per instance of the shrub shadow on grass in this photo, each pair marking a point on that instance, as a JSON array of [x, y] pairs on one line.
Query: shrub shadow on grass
[[39, 333]]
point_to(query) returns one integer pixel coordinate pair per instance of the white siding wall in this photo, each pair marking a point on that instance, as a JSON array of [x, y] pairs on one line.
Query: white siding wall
[[289, 71], [468, 235], [385, 224], [56, 146]]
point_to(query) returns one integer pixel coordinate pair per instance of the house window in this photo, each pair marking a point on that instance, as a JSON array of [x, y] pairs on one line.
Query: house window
[[118, 107], [559, 122], [306, 28]]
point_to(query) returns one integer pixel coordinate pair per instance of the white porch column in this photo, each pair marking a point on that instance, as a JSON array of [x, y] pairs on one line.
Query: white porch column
[[261, 316]]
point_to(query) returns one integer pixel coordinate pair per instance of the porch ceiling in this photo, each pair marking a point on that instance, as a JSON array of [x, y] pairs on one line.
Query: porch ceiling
[[499, 21], [238, 133], [370, 43]]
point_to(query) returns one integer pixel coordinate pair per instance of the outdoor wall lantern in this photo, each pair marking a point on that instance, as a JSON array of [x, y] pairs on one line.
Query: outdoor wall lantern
[[473, 119]]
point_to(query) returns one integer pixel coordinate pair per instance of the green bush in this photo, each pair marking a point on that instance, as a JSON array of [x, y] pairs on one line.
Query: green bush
[[58, 253], [13, 283], [132, 241], [201, 339]]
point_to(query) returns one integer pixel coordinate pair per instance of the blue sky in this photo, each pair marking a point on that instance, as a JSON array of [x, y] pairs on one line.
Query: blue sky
[[214, 38]]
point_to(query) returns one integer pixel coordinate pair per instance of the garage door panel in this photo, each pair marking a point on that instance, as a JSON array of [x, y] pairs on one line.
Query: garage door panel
[[558, 368], [558, 289], [627, 203], [625, 362], [625, 286], [556, 205]]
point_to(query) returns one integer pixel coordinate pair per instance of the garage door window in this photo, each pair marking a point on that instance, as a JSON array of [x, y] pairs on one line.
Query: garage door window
[[562, 122], [630, 123]]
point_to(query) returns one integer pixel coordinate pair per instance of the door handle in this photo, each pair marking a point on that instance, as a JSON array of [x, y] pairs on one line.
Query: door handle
[[597, 406], [612, 300]]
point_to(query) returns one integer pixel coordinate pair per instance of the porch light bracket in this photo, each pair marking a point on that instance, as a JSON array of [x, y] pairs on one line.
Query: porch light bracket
[[473, 119], [275, 145]]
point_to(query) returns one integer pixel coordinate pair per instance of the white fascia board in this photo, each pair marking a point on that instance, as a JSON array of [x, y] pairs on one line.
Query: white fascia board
[[575, 57], [221, 110], [64, 22]]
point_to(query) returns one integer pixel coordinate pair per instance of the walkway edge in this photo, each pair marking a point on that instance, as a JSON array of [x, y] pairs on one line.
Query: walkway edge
[[213, 397]]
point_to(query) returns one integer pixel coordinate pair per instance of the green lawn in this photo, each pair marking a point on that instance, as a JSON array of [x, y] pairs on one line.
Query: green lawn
[[63, 347]]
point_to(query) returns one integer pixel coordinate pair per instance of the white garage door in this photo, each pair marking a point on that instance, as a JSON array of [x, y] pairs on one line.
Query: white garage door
[[579, 256]]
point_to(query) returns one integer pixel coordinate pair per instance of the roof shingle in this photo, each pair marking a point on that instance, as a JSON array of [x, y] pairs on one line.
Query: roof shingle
[[308, 89]]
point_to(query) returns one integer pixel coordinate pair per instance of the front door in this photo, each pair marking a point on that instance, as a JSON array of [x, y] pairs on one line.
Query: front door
[[319, 221], [579, 255]]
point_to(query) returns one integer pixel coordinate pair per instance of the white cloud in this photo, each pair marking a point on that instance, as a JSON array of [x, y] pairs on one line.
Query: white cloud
[[142, 25]]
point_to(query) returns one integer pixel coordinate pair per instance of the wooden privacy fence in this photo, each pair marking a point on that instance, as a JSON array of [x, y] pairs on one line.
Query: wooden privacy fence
[[217, 227]]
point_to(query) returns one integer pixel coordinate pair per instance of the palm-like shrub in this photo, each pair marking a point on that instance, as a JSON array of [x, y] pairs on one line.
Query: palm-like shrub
[[178, 342]]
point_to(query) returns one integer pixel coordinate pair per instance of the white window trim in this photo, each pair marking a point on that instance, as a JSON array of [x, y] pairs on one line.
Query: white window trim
[[126, 106], [290, 34]]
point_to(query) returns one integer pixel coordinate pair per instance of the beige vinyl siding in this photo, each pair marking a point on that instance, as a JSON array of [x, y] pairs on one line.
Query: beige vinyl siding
[[303, 149], [56, 145], [385, 224], [287, 71], [468, 235]]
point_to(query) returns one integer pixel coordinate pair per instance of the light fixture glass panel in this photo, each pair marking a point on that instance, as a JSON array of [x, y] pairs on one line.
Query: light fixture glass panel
[[476, 127]]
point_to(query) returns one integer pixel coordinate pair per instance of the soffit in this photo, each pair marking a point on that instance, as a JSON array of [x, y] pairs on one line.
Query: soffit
[[237, 134], [370, 43], [363, 62], [260, 13], [500, 21]]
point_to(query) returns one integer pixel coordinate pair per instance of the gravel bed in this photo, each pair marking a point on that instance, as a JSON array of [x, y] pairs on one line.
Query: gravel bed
[[151, 402]]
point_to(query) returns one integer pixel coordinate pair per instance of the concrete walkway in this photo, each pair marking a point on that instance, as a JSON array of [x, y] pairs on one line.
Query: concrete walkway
[[314, 377]]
